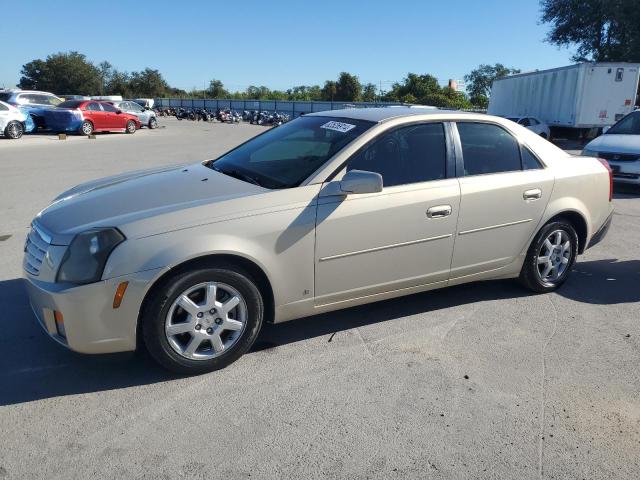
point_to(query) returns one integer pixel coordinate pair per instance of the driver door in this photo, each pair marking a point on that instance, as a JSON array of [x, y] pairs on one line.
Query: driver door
[[399, 238]]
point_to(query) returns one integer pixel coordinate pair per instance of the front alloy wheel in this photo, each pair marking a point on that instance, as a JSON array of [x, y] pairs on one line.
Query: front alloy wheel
[[153, 123], [203, 319], [131, 126]]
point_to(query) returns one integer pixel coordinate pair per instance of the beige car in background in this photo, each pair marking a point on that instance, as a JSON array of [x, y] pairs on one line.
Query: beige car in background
[[331, 210]]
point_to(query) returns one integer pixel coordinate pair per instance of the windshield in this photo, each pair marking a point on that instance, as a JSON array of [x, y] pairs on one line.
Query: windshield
[[5, 96], [71, 104], [285, 156], [629, 125]]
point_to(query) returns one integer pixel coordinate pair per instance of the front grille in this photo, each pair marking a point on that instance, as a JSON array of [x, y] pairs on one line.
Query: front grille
[[619, 157], [35, 250]]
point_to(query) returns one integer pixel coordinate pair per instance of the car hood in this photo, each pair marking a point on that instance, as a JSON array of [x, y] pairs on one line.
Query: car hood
[[125, 199], [612, 143]]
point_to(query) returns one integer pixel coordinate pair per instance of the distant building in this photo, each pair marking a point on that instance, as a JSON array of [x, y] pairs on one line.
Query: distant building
[[457, 85]]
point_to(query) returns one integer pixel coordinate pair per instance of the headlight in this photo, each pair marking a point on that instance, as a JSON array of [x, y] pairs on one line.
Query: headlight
[[87, 255], [589, 153]]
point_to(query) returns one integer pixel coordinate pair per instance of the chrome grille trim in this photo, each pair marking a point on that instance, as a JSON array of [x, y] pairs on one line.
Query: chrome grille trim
[[35, 249]]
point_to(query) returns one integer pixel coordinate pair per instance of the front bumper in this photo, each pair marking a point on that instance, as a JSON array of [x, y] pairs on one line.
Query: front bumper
[[91, 323]]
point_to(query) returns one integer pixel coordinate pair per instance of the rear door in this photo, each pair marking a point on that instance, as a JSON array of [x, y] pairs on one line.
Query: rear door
[[114, 120], [95, 114], [398, 238], [504, 192]]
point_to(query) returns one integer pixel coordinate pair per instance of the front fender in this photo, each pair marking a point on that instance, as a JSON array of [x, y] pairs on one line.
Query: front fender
[[281, 243]]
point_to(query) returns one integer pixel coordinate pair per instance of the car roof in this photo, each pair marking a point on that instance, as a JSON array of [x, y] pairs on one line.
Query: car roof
[[381, 114], [39, 92]]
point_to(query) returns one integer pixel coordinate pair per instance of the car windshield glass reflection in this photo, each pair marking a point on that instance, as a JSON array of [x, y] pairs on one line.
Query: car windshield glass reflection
[[285, 156]]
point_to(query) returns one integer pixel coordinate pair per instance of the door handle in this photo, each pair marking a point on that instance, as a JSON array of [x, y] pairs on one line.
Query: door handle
[[533, 194], [439, 211]]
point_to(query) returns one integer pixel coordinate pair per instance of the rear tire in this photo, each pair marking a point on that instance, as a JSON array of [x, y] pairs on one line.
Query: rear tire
[[550, 257], [14, 130], [131, 127], [171, 350], [86, 128]]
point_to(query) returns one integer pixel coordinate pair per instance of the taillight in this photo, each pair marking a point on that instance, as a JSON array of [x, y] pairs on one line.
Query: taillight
[[608, 167]]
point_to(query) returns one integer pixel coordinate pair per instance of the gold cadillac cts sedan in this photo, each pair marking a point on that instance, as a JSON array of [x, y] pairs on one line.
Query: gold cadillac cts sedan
[[331, 210]]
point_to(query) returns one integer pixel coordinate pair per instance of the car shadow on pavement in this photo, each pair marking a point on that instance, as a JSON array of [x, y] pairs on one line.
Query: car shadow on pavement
[[33, 367]]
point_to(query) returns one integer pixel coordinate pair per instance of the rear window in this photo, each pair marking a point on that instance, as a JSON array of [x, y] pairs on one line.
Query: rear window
[[70, 104], [5, 97]]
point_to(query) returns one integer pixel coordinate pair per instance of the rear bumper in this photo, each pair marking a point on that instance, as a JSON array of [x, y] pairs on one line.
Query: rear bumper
[[91, 323], [602, 231]]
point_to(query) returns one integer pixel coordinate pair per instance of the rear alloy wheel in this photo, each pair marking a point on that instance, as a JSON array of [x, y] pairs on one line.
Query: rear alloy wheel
[[202, 320], [14, 130], [153, 123], [131, 127], [86, 128], [551, 257]]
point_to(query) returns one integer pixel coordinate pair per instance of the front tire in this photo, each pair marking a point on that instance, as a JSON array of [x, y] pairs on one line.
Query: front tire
[[551, 257], [14, 130], [153, 123], [202, 320], [131, 127]]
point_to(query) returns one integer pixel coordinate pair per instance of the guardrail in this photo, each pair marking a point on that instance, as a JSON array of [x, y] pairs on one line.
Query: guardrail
[[291, 107]]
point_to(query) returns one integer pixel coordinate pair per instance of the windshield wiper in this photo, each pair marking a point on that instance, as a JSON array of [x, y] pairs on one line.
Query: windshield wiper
[[237, 174]]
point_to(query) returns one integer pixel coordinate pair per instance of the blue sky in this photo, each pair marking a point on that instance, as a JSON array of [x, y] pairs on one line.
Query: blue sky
[[282, 43]]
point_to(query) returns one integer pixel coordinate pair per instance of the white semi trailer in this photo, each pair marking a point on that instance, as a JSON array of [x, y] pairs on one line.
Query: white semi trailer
[[585, 97]]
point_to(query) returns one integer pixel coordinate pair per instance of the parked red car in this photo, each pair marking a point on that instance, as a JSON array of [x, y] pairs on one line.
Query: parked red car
[[88, 116]]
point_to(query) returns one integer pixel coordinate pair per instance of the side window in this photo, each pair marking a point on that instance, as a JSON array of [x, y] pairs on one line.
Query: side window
[[488, 149], [524, 122], [107, 107], [135, 107], [529, 161], [3, 108], [534, 121], [93, 106], [411, 154]]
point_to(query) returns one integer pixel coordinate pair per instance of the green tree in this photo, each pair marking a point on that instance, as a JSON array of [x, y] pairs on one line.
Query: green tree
[[62, 73], [348, 88], [369, 93], [148, 83], [480, 80], [329, 91], [216, 90], [118, 84], [603, 30]]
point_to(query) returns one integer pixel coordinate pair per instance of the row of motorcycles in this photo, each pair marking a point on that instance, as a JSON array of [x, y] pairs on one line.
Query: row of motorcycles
[[224, 115]]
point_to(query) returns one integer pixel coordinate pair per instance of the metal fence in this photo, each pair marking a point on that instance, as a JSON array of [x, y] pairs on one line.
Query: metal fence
[[291, 108]]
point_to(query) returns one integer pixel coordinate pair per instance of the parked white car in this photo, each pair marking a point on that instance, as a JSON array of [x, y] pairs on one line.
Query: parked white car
[[331, 210], [533, 124], [620, 146], [11, 121]]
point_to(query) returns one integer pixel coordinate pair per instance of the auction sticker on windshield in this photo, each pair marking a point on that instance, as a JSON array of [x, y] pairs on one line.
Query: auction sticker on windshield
[[338, 126]]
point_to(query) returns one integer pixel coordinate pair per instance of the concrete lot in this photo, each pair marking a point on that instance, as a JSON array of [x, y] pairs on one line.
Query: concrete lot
[[477, 381]]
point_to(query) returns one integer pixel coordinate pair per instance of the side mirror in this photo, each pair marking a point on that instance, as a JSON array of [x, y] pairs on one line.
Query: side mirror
[[359, 181], [118, 111]]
